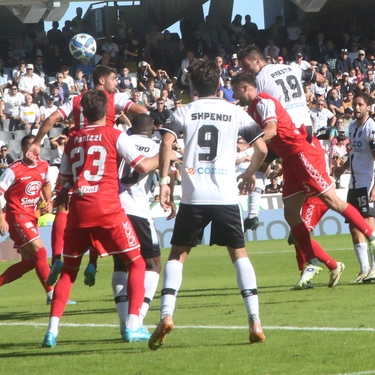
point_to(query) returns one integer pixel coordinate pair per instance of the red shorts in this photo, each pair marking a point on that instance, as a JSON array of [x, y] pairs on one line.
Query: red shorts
[[306, 173], [105, 240], [23, 232], [313, 210]]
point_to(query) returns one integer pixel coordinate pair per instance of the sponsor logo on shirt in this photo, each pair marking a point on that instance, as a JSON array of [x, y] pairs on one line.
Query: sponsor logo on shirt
[[207, 170], [29, 201], [86, 190], [33, 187]]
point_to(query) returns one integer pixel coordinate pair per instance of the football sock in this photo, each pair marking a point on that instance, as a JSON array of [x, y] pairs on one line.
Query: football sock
[[360, 250], [256, 195], [93, 258], [171, 285], [302, 236], [16, 271], [42, 268], [53, 325], [120, 294], [322, 256], [151, 283], [301, 261], [136, 280], [353, 217], [57, 236], [247, 284]]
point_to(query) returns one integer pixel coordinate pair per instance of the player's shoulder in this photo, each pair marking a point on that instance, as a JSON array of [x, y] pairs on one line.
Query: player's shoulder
[[17, 164]]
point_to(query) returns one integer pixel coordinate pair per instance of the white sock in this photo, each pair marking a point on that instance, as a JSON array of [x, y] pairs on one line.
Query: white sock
[[53, 325], [151, 284], [171, 285], [119, 285], [372, 258], [362, 256], [132, 322], [50, 294], [246, 281], [256, 195]]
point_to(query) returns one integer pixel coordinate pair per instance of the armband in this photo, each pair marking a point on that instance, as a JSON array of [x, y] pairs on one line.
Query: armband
[[164, 180], [372, 142]]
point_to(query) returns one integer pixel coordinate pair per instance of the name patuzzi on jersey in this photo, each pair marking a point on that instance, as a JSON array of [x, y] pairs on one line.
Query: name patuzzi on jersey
[[280, 72], [88, 138], [211, 116]]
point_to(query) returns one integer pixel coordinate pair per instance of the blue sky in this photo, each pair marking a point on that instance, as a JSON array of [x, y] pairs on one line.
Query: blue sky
[[240, 7]]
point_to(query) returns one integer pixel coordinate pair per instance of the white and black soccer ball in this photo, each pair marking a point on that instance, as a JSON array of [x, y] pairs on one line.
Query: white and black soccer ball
[[82, 46]]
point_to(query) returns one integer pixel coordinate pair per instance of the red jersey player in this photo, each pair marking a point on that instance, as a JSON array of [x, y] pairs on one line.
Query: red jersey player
[[96, 218], [22, 184], [304, 167]]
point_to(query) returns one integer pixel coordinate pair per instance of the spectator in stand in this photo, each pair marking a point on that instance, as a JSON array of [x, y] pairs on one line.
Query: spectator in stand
[[277, 30], [150, 94], [56, 59], [107, 60], [353, 52], [63, 88], [40, 69], [235, 28], [345, 42], [326, 73], [87, 68], [251, 30], [39, 97], [273, 187], [368, 83], [280, 60], [110, 47], [348, 116], [185, 63], [318, 46], [57, 98], [234, 66], [136, 98], [223, 70], [18, 50], [300, 62], [5, 159], [177, 104], [323, 119], [167, 52], [48, 109], [337, 129], [58, 145], [160, 115], [348, 100], [346, 86], [286, 55], [144, 73], [29, 114], [293, 31], [160, 79], [361, 62], [10, 107], [352, 77], [125, 82], [79, 82], [329, 56], [19, 71], [344, 63], [305, 47], [172, 94], [3, 77], [67, 78], [54, 35], [10, 62], [168, 103], [29, 80], [271, 44], [226, 91], [77, 20], [334, 102], [133, 51], [310, 97]]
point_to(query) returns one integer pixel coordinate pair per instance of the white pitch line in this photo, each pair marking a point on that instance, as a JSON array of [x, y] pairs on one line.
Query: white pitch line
[[272, 328], [357, 373]]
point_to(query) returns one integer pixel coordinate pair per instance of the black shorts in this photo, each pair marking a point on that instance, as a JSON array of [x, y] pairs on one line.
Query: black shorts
[[226, 225], [359, 199], [147, 236]]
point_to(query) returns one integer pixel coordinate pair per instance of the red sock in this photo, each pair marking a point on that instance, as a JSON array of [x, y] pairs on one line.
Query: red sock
[[135, 288], [42, 268], [301, 261], [323, 256], [16, 271], [57, 237], [352, 215], [302, 236], [64, 285]]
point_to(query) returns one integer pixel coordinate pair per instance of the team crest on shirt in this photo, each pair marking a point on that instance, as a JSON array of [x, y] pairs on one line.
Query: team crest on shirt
[[33, 187]]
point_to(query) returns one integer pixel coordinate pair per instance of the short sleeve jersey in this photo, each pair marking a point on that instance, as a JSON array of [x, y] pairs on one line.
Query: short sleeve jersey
[[116, 102], [91, 156], [210, 127], [134, 186], [284, 82], [361, 158], [21, 185], [289, 140]]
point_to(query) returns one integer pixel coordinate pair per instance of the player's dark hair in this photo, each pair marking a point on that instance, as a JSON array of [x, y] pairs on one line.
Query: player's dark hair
[[244, 77], [101, 71], [250, 52], [205, 77], [25, 139], [366, 97], [94, 104], [142, 124]]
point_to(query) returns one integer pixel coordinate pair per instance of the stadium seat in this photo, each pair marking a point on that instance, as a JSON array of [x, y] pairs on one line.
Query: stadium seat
[[15, 145], [19, 134], [5, 136], [5, 125], [13, 154], [46, 143], [55, 132], [45, 154]]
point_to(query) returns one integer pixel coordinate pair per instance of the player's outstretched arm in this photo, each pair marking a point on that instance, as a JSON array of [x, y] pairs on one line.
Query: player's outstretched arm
[[166, 148], [136, 109], [34, 150], [147, 165]]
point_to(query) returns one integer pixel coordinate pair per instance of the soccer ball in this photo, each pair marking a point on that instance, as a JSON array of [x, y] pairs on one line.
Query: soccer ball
[[82, 46]]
